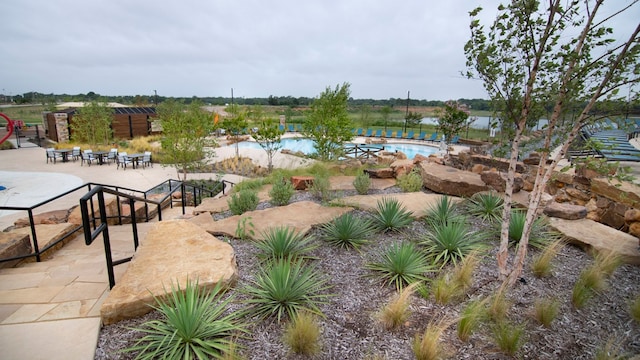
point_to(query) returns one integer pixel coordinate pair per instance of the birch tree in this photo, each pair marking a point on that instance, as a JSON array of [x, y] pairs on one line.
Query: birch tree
[[556, 52]]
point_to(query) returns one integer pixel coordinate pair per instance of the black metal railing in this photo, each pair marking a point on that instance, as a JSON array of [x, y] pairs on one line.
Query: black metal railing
[[99, 219]]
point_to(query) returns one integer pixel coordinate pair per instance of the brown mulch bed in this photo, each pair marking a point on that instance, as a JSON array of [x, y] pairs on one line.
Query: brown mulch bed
[[350, 329]]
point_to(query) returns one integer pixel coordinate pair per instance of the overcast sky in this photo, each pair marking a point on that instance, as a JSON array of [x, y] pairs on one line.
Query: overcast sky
[[258, 48]]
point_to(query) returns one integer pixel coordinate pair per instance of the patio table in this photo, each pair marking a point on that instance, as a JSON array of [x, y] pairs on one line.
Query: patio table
[[100, 155], [134, 159], [65, 154]]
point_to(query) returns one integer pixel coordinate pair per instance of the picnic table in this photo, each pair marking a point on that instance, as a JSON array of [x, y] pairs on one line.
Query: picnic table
[[64, 153], [100, 155], [135, 158]]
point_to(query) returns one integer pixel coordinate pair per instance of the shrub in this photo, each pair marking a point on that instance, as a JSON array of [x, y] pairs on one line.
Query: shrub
[[391, 215], [347, 231], [463, 271], [443, 211], [487, 206], [545, 311], [284, 242], [362, 182], [285, 286], [470, 318], [634, 309], [451, 241], [541, 264], [244, 228], [580, 294], [540, 235], [321, 188], [193, 324], [508, 337], [243, 201], [302, 334], [498, 305], [444, 290], [428, 346], [281, 192], [396, 312], [401, 264], [410, 182], [607, 261]]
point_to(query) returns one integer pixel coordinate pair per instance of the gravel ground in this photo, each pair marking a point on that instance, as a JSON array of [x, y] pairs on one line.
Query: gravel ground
[[350, 329]]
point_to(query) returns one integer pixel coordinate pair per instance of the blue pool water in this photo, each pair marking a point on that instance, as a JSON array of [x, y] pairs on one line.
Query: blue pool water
[[306, 146]]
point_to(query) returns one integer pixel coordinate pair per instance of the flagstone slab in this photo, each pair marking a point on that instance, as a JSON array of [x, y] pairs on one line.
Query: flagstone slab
[[592, 234], [416, 202], [221, 204], [47, 234], [346, 183], [300, 216], [173, 251]]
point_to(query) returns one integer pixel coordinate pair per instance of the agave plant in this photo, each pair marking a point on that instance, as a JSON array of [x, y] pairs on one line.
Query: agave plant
[[284, 287], [391, 215], [283, 242], [193, 325], [451, 241], [443, 211], [401, 265], [487, 206], [347, 231]]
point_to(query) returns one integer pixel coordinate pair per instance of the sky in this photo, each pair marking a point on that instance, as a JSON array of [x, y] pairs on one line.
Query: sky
[[203, 48]]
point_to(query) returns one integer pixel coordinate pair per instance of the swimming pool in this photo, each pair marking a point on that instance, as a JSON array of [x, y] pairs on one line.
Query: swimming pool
[[306, 146]]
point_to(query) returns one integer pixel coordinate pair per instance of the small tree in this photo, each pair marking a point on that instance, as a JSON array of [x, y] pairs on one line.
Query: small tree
[[269, 136], [327, 123], [236, 124], [452, 118], [92, 124], [185, 132], [412, 119], [385, 112]]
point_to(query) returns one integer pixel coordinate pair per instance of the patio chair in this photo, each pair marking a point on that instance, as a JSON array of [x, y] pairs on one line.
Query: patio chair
[[123, 160], [112, 155], [378, 133], [75, 153], [433, 137], [410, 135], [369, 133], [359, 132], [399, 134], [422, 135], [455, 139], [87, 156], [146, 159], [53, 155], [292, 128]]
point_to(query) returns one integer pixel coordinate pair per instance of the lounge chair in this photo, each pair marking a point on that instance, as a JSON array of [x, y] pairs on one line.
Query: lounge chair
[[378, 133], [359, 132], [388, 134], [422, 135], [281, 127], [369, 133], [455, 139], [291, 128], [410, 135], [399, 134], [433, 137]]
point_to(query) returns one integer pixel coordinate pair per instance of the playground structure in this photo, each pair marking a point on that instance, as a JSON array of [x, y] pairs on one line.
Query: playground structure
[[20, 130], [9, 128]]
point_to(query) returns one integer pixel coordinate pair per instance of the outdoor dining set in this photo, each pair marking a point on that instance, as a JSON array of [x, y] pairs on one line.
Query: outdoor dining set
[[121, 159]]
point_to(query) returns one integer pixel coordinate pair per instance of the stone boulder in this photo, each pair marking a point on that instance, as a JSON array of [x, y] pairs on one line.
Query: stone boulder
[[13, 244], [401, 167], [451, 181], [380, 173], [49, 217], [111, 206], [565, 211], [418, 158], [497, 181], [173, 251], [301, 182]]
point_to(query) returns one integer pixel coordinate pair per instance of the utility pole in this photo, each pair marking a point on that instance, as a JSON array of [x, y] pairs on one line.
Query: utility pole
[[155, 97], [231, 96], [406, 116]]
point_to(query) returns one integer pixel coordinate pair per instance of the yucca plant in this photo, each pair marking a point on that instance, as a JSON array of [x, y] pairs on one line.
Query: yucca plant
[[391, 215], [396, 312], [470, 318], [302, 334], [193, 325], [451, 241], [442, 212], [487, 206], [401, 265], [284, 287], [361, 183], [541, 265], [545, 311], [428, 346], [540, 235], [634, 309], [284, 242], [508, 337], [347, 230]]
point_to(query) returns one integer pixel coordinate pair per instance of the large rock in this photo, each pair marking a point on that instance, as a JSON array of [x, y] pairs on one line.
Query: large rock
[[451, 181], [11, 245], [173, 251], [591, 234], [49, 217], [300, 216], [622, 192], [343, 182], [380, 173], [497, 181], [416, 202], [301, 182], [110, 204], [565, 211], [47, 234], [401, 167], [221, 204]]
